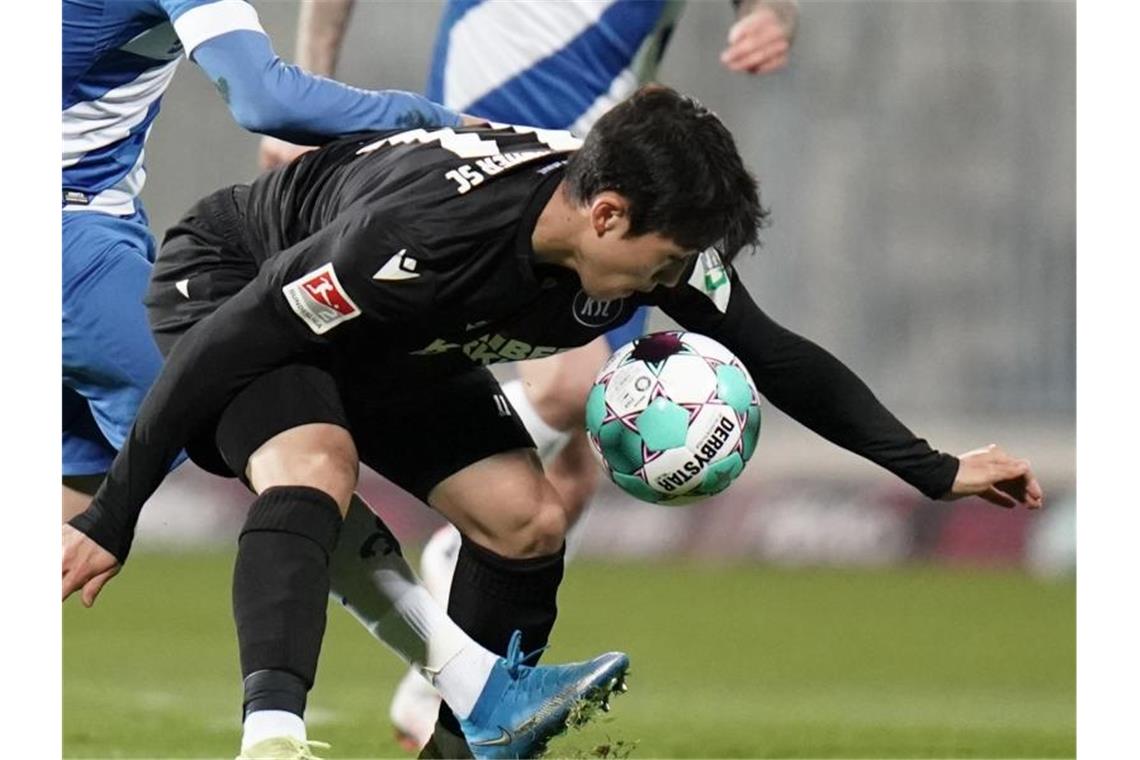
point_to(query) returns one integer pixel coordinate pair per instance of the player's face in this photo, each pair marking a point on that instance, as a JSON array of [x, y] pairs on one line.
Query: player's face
[[613, 264], [620, 266]]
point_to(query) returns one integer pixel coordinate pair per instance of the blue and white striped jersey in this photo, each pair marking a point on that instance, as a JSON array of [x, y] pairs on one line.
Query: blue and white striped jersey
[[554, 65], [118, 59]]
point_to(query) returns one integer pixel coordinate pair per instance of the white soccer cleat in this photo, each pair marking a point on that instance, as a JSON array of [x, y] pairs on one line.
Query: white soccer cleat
[[415, 707], [282, 748]]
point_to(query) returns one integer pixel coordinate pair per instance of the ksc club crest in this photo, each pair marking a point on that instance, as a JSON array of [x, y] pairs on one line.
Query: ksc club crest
[[594, 313]]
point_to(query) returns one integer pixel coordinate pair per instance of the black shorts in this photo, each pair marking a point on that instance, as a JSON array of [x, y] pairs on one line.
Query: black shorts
[[202, 262], [413, 427], [415, 432]]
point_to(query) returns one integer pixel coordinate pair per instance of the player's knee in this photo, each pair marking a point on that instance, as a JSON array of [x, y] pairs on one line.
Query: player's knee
[[332, 472], [543, 534], [319, 456], [327, 471], [537, 530]]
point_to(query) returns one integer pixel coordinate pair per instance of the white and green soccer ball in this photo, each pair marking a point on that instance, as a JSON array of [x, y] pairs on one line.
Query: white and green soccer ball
[[673, 417]]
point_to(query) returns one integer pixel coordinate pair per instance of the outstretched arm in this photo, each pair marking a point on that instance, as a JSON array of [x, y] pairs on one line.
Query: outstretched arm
[[823, 394], [321, 27], [267, 95], [245, 337]]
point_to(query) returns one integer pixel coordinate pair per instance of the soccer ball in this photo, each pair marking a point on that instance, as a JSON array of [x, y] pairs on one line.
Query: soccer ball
[[673, 417]]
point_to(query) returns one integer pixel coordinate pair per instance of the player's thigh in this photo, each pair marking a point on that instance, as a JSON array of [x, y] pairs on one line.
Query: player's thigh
[[109, 357], [557, 386], [457, 444], [286, 428]]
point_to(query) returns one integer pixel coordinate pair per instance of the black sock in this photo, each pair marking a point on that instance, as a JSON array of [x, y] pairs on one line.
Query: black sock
[[274, 690], [493, 596], [280, 592]]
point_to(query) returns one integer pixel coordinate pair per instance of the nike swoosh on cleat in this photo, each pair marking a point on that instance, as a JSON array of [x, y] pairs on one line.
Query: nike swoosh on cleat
[[502, 739]]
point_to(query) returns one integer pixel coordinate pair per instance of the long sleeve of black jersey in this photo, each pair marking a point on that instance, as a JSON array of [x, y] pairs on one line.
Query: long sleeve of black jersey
[[804, 380], [304, 298], [211, 362]]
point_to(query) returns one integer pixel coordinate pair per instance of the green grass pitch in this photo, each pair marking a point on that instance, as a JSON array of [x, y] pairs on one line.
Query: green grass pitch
[[727, 661]]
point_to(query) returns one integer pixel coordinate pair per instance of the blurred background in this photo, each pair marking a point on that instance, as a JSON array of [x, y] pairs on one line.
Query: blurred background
[[919, 161]]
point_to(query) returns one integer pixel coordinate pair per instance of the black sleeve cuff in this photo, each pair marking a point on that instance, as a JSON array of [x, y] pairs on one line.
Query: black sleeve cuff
[[92, 524], [940, 479]]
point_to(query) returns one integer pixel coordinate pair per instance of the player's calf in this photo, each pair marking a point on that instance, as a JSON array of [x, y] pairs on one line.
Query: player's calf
[[304, 477], [281, 584]]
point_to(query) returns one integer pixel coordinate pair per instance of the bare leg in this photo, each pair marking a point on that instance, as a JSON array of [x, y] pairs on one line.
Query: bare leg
[[510, 561], [550, 400]]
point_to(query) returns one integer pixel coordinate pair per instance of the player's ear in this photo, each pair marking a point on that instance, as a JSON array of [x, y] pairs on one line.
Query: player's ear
[[609, 213]]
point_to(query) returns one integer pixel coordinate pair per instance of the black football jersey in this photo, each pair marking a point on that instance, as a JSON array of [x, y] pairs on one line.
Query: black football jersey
[[412, 251]]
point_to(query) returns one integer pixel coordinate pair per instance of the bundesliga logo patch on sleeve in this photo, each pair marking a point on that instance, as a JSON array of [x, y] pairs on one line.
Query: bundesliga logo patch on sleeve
[[711, 277], [319, 300]]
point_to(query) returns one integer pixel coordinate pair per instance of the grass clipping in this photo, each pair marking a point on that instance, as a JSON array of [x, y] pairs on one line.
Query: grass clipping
[[587, 710]]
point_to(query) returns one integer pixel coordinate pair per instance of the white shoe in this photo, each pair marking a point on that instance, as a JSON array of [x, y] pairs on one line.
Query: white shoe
[[282, 748], [415, 707]]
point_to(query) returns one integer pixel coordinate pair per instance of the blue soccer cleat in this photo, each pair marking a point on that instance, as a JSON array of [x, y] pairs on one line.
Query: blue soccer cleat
[[522, 707]]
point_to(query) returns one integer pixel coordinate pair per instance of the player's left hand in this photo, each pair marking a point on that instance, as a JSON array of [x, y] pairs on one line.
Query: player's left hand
[[86, 565], [273, 153], [996, 477], [759, 42], [473, 121]]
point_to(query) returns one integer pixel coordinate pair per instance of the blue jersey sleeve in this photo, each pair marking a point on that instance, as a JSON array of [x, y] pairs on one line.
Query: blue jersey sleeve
[[266, 95], [196, 21]]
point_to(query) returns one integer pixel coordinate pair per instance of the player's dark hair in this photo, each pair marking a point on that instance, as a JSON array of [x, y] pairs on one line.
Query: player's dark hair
[[678, 167]]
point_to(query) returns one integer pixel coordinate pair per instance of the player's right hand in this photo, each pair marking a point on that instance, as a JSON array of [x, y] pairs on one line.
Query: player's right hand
[[996, 477], [274, 153], [86, 565]]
